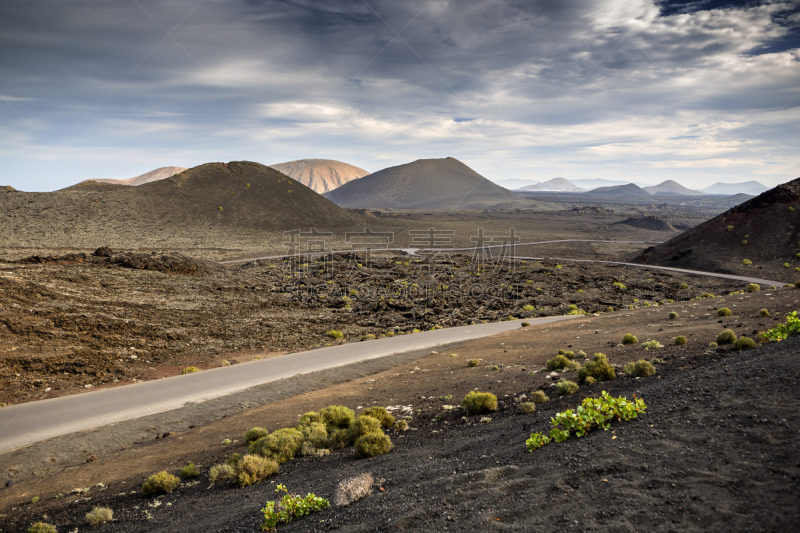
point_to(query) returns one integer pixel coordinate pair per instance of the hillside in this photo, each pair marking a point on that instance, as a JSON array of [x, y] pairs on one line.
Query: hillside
[[764, 230], [225, 201], [620, 190], [747, 187], [555, 184], [154, 175], [672, 188], [429, 184], [650, 222], [321, 175]]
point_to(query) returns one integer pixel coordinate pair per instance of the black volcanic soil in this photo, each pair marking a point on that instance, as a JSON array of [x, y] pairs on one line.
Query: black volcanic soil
[[652, 222], [75, 322], [764, 230], [717, 449]]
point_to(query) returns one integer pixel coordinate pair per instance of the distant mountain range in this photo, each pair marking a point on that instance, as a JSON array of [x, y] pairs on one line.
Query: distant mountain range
[[665, 188], [321, 175], [429, 184], [672, 188], [620, 190], [154, 175]]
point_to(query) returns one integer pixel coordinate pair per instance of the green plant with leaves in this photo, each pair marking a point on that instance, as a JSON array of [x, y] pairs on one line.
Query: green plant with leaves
[[783, 331], [536, 441], [290, 507]]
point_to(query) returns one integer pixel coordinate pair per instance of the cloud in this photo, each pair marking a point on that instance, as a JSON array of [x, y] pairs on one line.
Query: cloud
[[518, 89]]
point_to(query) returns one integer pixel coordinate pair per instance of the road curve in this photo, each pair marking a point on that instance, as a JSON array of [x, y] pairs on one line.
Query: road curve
[[31, 422]]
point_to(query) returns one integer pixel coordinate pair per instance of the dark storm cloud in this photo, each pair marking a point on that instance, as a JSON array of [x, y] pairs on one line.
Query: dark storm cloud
[[574, 84]]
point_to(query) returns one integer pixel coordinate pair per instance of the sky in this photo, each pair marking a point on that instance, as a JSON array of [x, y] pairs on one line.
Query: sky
[[633, 90]]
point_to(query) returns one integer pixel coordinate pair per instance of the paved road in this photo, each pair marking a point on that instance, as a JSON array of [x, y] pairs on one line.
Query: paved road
[[31, 422]]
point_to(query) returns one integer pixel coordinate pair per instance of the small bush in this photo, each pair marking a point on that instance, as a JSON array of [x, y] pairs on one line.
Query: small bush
[[525, 324], [381, 414], [641, 368], [528, 308], [281, 445], [566, 387], [569, 355], [220, 472], [233, 459], [729, 228], [706, 295], [683, 286], [479, 402], [746, 262], [253, 434], [289, 508], [362, 425], [589, 380], [42, 527], [713, 345], [764, 313], [797, 284], [99, 515], [253, 469], [372, 445], [726, 337], [189, 370], [539, 397], [786, 265], [367, 337], [673, 315], [473, 363], [334, 334], [561, 351], [629, 339], [527, 407], [189, 471], [401, 425], [724, 311], [225, 363], [558, 362], [581, 354], [353, 489], [745, 343], [680, 340], [315, 433], [753, 287], [598, 368], [161, 483], [652, 345], [337, 416]]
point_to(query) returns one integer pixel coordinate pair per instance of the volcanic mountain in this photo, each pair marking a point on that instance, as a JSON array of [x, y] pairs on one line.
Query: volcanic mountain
[[764, 230], [154, 175], [321, 175], [672, 188], [745, 187], [620, 190], [230, 199], [651, 222], [555, 184], [429, 184]]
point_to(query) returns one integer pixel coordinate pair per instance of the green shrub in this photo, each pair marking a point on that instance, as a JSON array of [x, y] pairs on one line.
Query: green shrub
[[706, 295], [189, 370], [589, 380], [528, 308], [680, 340], [309, 417], [281, 445], [558, 362], [641, 368], [669, 301], [652, 345], [160, 483], [713, 345], [726, 337], [683, 286], [372, 444], [753, 287], [99, 515], [479, 402], [745, 343], [527, 407], [253, 434], [598, 368], [315, 433], [289, 508], [339, 438], [786, 265], [336, 416], [381, 414], [724, 311], [189, 471], [673, 315], [580, 354], [784, 331], [524, 324], [569, 355], [629, 339], [797, 284], [220, 472], [473, 362], [561, 351], [729, 228], [746, 262], [42, 527], [401, 425], [566, 387], [253, 469], [334, 334], [362, 425], [539, 397], [233, 459], [367, 337]]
